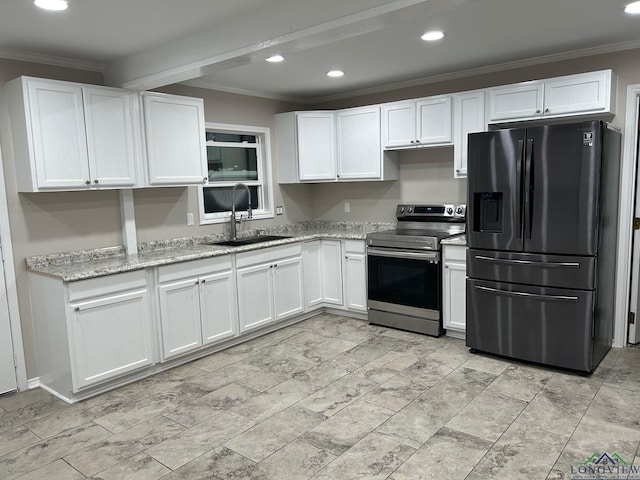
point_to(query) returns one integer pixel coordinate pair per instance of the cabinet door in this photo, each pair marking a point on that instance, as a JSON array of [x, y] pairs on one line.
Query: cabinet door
[[316, 146], [332, 272], [359, 152], [515, 101], [110, 336], [287, 288], [587, 92], [180, 317], [455, 299], [59, 137], [313, 277], [175, 137], [110, 139], [255, 297], [468, 117], [218, 307], [434, 120], [355, 282], [399, 125]]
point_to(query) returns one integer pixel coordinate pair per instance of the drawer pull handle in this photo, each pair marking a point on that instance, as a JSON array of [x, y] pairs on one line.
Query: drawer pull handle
[[536, 296], [507, 261]]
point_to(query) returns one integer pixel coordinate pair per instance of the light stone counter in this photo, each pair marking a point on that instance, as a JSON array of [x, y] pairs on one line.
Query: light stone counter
[[85, 264], [460, 240]]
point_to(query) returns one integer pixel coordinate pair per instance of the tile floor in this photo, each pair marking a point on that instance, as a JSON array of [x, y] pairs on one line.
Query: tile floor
[[332, 398]]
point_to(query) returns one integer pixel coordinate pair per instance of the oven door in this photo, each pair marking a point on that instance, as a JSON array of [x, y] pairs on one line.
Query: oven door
[[404, 282]]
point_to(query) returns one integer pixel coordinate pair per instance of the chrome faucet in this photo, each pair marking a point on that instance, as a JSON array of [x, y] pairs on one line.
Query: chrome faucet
[[233, 208]]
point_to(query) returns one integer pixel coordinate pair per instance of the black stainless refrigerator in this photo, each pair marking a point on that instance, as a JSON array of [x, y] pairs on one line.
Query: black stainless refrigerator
[[541, 229]]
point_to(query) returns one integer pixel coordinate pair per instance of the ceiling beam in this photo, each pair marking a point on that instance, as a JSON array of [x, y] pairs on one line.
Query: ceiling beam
[[253, 37]]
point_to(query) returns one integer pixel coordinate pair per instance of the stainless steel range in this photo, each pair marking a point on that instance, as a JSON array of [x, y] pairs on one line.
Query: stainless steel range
[[404, 272]]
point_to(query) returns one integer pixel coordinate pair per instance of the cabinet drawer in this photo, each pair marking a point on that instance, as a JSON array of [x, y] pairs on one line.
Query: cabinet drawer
[[107, 284], [194, 268], [268, 255], [454, 252], [354, 246]]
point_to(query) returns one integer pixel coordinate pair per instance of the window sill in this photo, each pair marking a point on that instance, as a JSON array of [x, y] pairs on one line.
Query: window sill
[[225, 218]]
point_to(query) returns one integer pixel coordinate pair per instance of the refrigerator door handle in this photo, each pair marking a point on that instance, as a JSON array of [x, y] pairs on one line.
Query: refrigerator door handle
[[522, 199], [528, 189], [528, 262], [562, 298]]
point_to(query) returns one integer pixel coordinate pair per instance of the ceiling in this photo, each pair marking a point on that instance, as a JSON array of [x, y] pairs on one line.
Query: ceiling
[[222, 44]]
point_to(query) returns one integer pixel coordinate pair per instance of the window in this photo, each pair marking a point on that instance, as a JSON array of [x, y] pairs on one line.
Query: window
[[236, 154]]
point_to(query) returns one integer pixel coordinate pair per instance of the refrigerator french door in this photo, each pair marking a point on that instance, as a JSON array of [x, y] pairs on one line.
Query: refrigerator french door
[[537, 218]]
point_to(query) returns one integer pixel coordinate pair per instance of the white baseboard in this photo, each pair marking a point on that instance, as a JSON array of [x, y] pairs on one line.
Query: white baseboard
[[33, 383]]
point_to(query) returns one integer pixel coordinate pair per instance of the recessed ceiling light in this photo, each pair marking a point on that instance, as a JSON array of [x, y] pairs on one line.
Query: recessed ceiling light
[[633, 8], [275, 58], [432, 35], [56, 5], [335, 73]]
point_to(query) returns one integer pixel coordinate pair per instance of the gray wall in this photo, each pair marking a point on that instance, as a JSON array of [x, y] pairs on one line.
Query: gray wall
[[55, 222]]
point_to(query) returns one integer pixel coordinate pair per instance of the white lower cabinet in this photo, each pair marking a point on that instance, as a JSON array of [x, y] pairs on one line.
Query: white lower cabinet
[[322, 264], [454, 285], [197, 304], [90, 331], [270, 285], [355, 275]]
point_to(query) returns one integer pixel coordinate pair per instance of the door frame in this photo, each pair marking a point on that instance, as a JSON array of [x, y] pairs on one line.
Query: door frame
[[626, 213], [10, 284]]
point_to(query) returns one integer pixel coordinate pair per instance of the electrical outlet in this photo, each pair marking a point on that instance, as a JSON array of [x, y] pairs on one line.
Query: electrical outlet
[[190, 219], [347, 207], [279, 210]]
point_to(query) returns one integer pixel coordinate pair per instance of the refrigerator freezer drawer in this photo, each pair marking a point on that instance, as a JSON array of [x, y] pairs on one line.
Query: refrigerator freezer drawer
[[544, 325], [533, 269]]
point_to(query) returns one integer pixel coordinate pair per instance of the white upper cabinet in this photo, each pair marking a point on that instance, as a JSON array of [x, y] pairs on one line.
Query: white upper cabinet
[[572, 95], [399, 124], [515, 101], [359, 152], [468, 117], [316, 146], [69, 136], [416, 123], [328, 146], [433, 117], [114, 150], [175, 139]]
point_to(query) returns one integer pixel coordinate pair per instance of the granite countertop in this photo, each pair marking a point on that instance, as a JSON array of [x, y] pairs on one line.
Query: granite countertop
[[460, 240], [85, 264]]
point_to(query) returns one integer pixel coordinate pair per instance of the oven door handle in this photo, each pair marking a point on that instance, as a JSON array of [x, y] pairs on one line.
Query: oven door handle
[[380, 252], [537, 296]]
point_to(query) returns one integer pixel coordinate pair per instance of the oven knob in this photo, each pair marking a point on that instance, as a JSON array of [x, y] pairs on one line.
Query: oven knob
[[410, 210], [458, 210], [449, 210], [401, 209]]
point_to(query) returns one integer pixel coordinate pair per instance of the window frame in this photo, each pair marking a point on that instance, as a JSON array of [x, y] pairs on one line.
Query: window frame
[[264, 181]]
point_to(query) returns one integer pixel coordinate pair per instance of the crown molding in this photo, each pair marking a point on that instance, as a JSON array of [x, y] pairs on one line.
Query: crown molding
[[52, 60]]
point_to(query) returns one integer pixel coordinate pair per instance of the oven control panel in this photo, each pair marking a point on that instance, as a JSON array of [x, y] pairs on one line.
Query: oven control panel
[[441, 211]]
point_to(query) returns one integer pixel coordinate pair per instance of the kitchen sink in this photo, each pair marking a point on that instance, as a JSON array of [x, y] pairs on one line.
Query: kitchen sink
[[249, 240]]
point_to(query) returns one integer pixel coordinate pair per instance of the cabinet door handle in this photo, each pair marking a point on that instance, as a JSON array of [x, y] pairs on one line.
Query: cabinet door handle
[[203, 280], [77, 309], [546, 110], [204, 179], [538, 111], [87, 182], [95, 181]]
